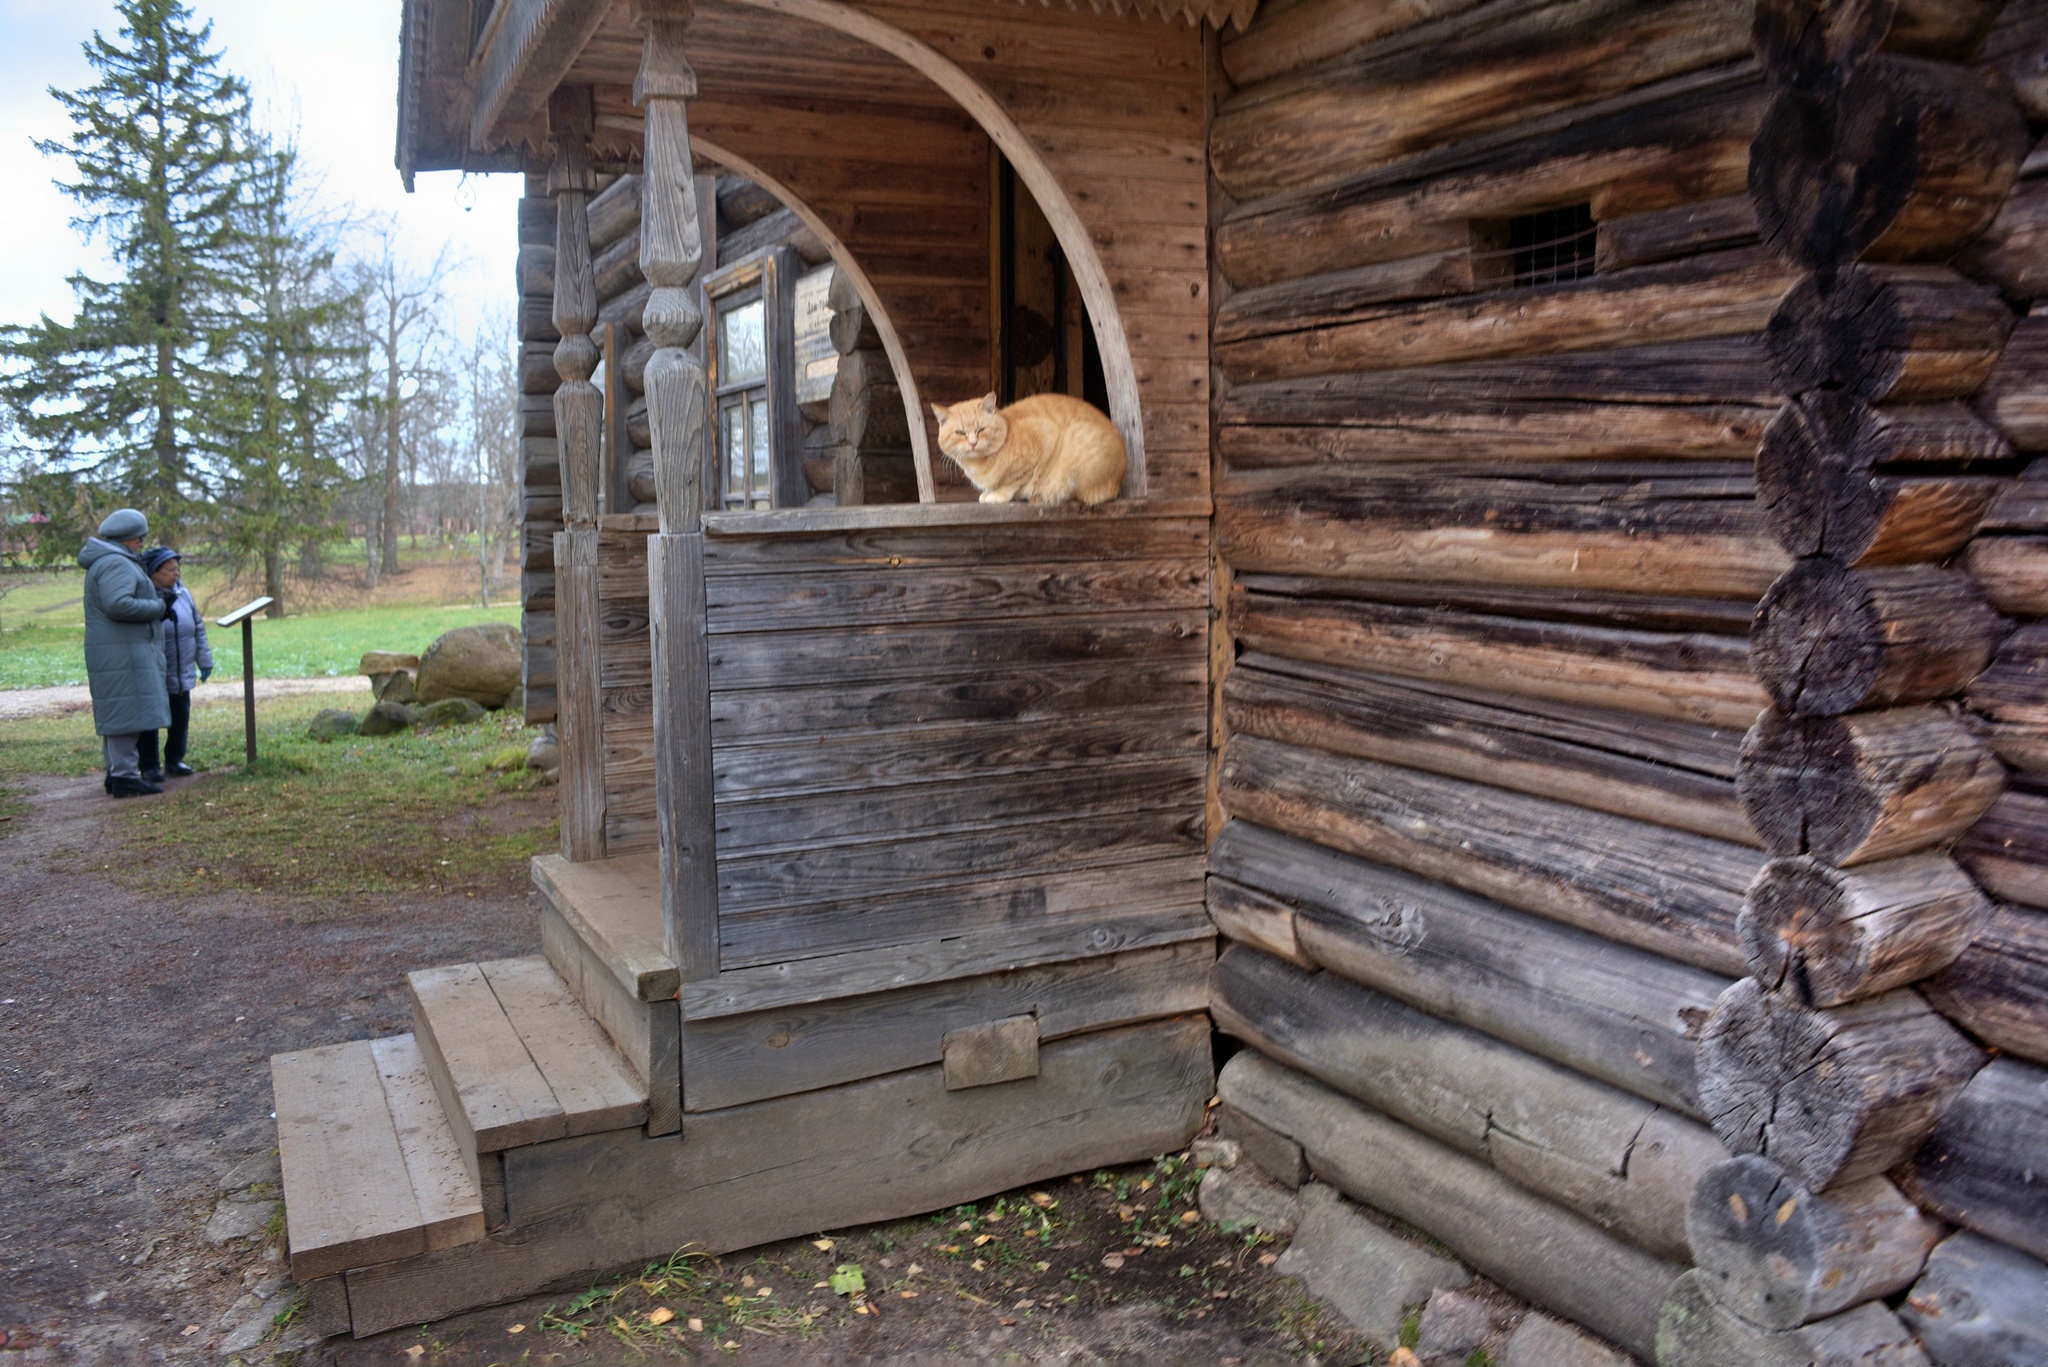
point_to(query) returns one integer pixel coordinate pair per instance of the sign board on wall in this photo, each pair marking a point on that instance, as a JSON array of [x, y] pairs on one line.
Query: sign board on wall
[[816, 362]]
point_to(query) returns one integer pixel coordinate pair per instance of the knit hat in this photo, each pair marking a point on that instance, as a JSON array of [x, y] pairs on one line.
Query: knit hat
[[124, 525], [158, 558]]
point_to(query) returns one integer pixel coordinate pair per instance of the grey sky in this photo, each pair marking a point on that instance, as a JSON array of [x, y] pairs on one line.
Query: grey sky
[[330, 67]]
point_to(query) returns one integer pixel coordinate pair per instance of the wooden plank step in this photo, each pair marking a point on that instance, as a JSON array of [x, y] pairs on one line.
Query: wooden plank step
[[371, 1170], [515, 1059], [614, 906]]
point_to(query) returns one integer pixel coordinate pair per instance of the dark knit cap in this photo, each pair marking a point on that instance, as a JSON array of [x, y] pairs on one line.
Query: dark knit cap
[[158, 558]]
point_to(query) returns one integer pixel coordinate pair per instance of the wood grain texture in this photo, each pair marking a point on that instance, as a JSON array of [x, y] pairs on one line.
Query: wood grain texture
[[2007, 850], [578, 684], [495, 1096], [1897, 333], [1985, 1167], [2008, 702], [451, 1210], [348, 1199], [683, 748], [2012, 572], [594, 1087], [1980, 1301], [1622, 1015], [1998, 989], [1694, 1327]]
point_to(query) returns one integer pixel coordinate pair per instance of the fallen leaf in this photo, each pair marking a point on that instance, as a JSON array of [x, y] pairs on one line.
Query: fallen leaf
[[730, 1343], [764, 1291], [1189, 1217], [1134, 1252], [1006, 1319], [994, 1217], [914, 1269], [747, 1280], [1041, 1199], [1041, 1266], [1220, 1295], [1268, 1259], [981, 1239], [822, 1245], [189, 1330], [696, 1325], [1025, 1305], [1145, 1185], [660, 1315], [908, 1295], [861, 1309], [965, 1227], [1403, 1357], [978, 1265], [1112, 1261], [416, 1352], [849, 1279], [816, 1285], [516, 1329]]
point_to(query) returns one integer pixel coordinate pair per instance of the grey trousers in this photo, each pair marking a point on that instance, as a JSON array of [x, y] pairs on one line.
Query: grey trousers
[[121, 757]]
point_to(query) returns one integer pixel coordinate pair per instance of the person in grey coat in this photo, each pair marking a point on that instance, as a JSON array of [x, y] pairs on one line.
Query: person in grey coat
[[124, 647], [188, 662]]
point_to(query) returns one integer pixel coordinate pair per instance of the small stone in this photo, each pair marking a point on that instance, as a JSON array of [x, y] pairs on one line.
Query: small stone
[[239, 1220], [545, 752], [1215, 1153], [1363, 1272], [1246, 1196], [1453, 1324], [515, 701], [449, 712], [385, 719], [377, 662], [258, 1169], [1540, 1341], [331, 723], [397, 686]]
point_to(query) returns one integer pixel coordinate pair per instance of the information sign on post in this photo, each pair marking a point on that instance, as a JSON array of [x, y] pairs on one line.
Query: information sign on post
[[246, 615]]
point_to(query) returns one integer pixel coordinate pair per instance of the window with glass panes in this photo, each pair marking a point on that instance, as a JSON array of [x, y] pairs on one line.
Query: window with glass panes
[[744, 424]]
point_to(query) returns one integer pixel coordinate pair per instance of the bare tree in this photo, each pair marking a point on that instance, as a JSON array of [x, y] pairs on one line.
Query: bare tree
[[494, 444], [402, 315]]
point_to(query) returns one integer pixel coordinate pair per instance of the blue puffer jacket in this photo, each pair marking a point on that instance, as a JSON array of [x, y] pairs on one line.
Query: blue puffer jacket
[[124, 643], [185, 648]]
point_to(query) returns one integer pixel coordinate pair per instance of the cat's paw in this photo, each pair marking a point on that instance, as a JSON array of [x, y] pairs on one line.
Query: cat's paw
[[991, 496]]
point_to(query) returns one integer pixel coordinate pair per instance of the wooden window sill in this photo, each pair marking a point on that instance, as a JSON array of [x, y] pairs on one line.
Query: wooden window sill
[[899, 516]]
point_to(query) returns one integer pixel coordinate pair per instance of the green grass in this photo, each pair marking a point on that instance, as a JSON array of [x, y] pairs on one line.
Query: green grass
[[38, 654], [357, 817]]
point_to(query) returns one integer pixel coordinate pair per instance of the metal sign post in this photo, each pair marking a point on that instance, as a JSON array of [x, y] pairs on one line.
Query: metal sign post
[[246, 615]]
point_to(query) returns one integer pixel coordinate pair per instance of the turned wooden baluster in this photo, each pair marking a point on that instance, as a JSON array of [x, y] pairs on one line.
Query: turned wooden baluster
[[579, 421], [671, 250]]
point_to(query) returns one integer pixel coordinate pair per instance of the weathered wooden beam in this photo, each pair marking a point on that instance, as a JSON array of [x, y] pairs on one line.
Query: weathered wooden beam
[[528, 53], [1889, 333], [1980, 1301], [2014, 397], [2009, 701], [1998, 989], [1643, 239], [1695, 1327], [1829, 1095], [1619, 1014], [2012, 571], [1985, 1167]]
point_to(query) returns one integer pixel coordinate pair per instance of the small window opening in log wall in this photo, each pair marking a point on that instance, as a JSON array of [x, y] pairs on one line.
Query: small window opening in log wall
[[1547, 247]]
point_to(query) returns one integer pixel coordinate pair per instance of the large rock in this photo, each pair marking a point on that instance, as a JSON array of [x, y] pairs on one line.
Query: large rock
[[449, 712], [395, 686], [480, 663], [1361, 1271], [1246, 1196], [331, 723], [386, 719]]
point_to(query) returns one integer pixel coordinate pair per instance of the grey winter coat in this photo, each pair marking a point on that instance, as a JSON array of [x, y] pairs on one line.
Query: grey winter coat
[[185, 648], [124, 645]]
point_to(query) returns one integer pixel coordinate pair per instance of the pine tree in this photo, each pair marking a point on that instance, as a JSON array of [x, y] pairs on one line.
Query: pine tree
[[131, 391]]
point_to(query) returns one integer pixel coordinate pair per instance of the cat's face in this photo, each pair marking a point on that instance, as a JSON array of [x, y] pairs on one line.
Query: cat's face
[[971, 429]]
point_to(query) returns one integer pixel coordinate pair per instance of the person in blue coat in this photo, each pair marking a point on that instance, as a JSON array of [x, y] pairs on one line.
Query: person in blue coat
[[188, 662], [124, 648]]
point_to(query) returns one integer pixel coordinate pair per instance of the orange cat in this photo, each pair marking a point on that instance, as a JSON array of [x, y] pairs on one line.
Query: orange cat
[[1048, 448]]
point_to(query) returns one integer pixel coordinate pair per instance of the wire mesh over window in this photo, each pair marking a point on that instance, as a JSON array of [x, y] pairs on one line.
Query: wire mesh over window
[[1553, 245]]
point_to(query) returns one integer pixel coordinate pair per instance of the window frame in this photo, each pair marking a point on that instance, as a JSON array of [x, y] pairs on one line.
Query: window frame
[[772, 272]]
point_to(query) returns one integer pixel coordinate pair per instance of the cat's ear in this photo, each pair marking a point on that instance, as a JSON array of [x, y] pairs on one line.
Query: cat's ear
[[939, 411], [988, 402]]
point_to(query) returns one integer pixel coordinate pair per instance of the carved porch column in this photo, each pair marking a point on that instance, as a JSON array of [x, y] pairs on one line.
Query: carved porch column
[[671, 250]]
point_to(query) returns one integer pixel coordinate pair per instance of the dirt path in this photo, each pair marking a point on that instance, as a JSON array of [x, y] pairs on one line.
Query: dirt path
[[19, 703]]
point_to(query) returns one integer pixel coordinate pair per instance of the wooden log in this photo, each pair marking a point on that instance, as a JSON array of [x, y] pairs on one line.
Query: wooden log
[[1831, 1096], [867, 477], [851, 329], [866, 409], [1980, 1302], [1667, 772], [1871, 785], [2008, 702], [627, 310], [534, 268], [536, 319], [1701, 400], [1689, 677], [1810, 45], [633, 366], [1663, 144], [740, 201], [2016, 51], [1829, 483], [1998, 989], [615, 212], [1666, 891], [1899, 333], [617, 268], [537, 369], [1612, 1158], [1719, 295], [2022, 505], [1643, 239], [1829, 936], [763, 234], [1696, 1328], [1780, 1256], [1341, 296], [2008, 849], [1622, 1015], [2013, 252], [1986, 1165], [2012, 571], [578, 698], [1904, 159], [1624, 528], [2014, 398], [683, 756], [1302, 35], [1532, 1247], [1829, 640], [1462, 74]]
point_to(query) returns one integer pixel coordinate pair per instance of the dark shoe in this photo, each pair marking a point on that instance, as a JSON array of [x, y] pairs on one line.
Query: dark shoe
[[108, 783], [152, 776], [180, 769], [131, 787]]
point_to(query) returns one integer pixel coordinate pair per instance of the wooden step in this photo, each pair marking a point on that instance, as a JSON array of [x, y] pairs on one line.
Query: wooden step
[[372, 1170], [601, 930], [515, 1059]]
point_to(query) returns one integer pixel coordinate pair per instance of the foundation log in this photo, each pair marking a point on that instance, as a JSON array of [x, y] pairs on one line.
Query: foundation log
[[1829, 640], [1896, 333], [2008, 849], [1621, 1015], [1901, 159], [1666, 891], [1831, 1096], [1998, 989], [2008, 702], [1980, 1302], [1695, 1328], [1986, 1165], [1871, 785], [1643, 239], [1780, 1256], [1829, 936], [1834, 478], [1804, 50], [1612, 1158]]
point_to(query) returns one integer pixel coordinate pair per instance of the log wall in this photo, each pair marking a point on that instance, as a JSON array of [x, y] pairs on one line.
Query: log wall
[[540, 470], [1601, 683]]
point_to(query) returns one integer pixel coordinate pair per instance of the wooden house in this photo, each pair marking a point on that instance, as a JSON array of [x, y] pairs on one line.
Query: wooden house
[[1569, 630]]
